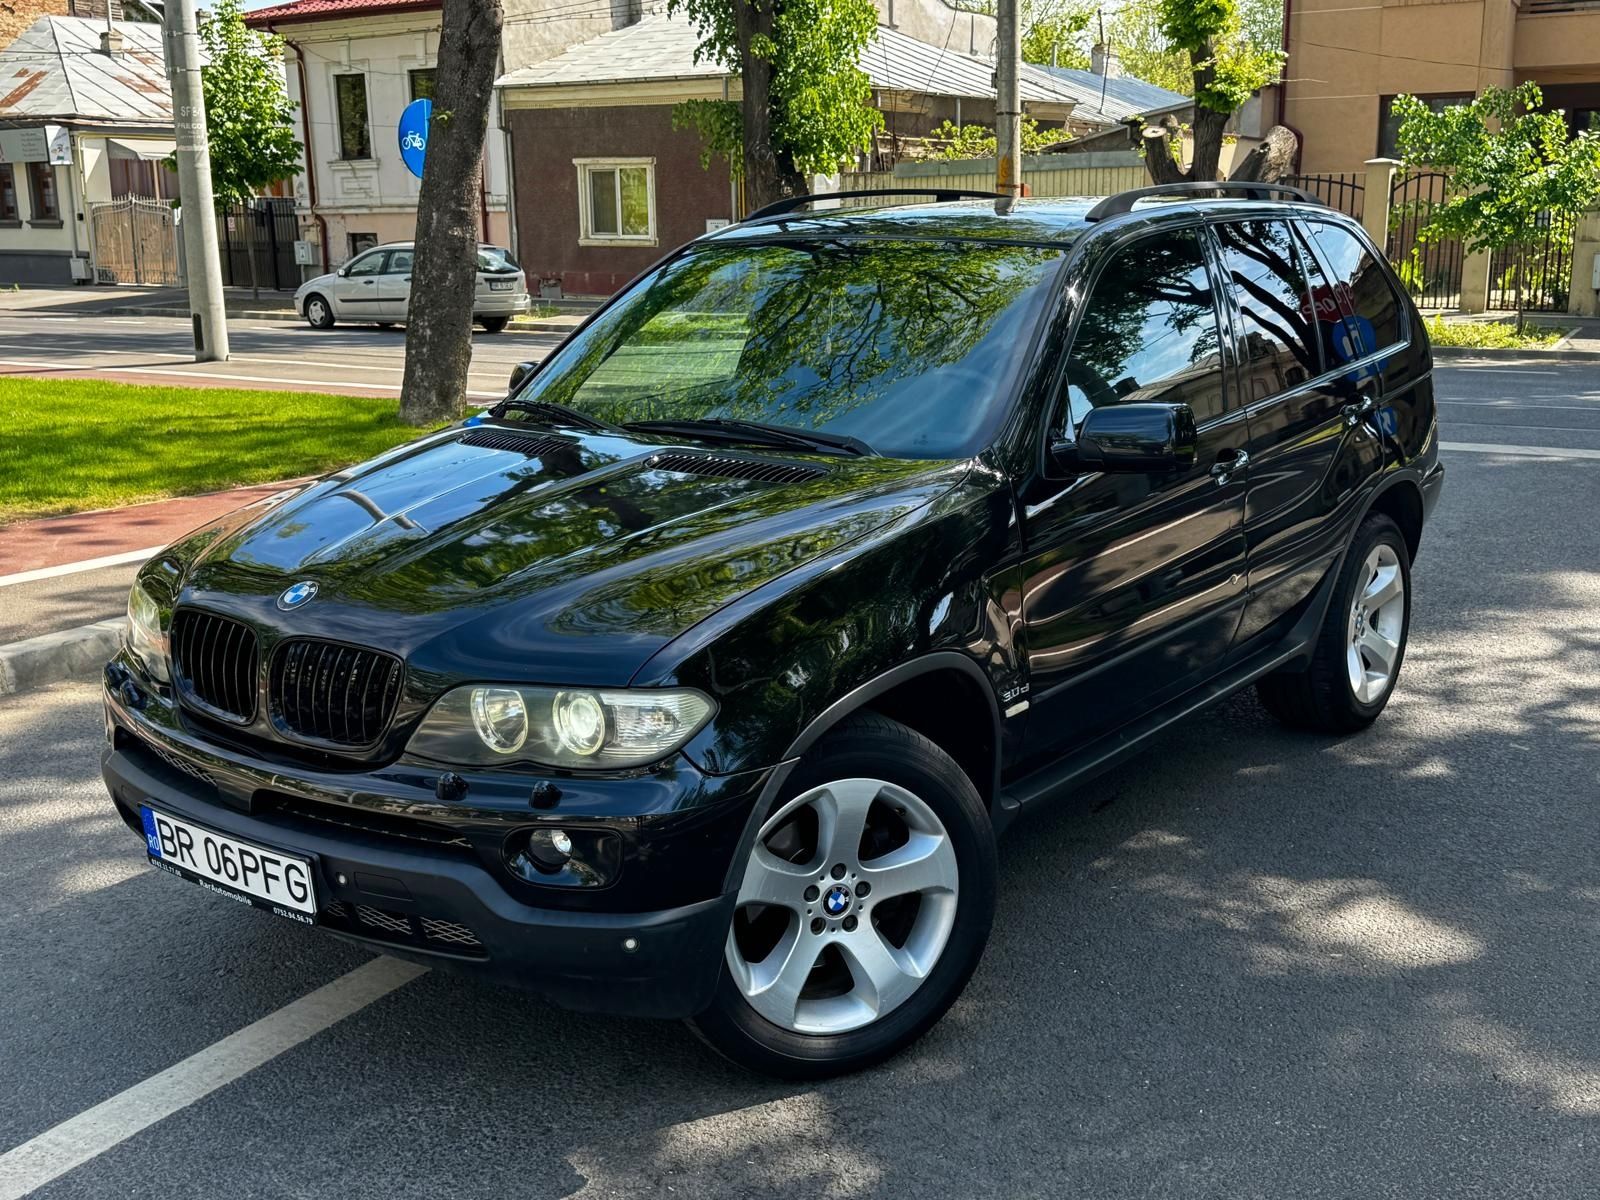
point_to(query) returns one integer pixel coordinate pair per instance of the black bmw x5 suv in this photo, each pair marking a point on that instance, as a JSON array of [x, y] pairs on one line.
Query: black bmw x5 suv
[[697, 678]]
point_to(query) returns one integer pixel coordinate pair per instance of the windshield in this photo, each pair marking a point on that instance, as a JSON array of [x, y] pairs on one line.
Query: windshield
[[494, 261], [911, 347]]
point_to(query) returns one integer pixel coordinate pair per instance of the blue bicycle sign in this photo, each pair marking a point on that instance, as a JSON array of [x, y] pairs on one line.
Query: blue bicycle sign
[[414, 134]]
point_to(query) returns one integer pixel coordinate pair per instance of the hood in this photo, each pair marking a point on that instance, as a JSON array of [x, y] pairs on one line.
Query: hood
[[502, 552]]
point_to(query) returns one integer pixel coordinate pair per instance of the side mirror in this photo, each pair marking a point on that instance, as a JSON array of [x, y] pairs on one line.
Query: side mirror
[[520, 374], [1133, 438], [343, 272]]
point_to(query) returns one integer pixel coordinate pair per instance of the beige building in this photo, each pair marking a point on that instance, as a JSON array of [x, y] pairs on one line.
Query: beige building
[[1348, 61]]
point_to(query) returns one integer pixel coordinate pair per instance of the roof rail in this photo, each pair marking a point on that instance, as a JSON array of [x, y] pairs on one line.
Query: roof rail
[[790, 203], [1123, 202]]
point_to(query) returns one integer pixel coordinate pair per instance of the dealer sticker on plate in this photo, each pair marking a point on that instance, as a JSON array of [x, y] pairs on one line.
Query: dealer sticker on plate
[[238, 870]]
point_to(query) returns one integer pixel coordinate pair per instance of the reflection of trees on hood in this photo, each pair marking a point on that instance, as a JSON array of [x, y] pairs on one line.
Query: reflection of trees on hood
[[810, 333]]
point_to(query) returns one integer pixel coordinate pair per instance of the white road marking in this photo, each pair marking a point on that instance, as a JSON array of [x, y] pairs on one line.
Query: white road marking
[[72, 568], [89, 1134], [165, 373], [1510, 425], [1520, 451], [1517, 405]]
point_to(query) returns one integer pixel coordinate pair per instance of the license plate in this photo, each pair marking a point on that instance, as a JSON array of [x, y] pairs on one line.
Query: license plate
[[502, 285], [239, 870]]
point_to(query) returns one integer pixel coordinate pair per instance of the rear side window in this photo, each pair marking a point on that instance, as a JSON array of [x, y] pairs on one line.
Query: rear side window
[[1149, 332], [1368, 305], [1262, 263]]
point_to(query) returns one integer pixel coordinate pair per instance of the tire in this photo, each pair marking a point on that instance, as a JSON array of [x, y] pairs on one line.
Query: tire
[[319, 313], [1324, 696], [903, 786], [495, 324]]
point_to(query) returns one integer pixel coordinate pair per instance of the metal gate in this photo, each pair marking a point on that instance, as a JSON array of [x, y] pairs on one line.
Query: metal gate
[[135, 241], [266, 231], [1430, 270], [1344, 190], [1542, 265]]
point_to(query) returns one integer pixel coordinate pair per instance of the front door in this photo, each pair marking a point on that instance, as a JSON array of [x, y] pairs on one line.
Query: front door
[[394, 285], [1133, 583], [356, 296]]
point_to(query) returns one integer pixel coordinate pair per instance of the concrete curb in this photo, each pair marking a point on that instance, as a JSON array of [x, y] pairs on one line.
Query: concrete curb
[[518, 325], [54, 657], [1454, 353]]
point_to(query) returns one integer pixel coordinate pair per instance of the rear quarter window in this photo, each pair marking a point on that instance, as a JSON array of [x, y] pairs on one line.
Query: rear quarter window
[[1374, 316]]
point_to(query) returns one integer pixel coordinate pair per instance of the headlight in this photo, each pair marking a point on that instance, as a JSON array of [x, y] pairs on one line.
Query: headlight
[[559, 727], [146, 634]]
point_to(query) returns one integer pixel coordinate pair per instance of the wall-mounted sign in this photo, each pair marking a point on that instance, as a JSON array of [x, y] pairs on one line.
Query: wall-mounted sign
[[42, 143], [414, 134]]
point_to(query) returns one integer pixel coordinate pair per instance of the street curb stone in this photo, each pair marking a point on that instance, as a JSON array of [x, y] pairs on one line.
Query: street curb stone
[[54, 657], [1454, 353]]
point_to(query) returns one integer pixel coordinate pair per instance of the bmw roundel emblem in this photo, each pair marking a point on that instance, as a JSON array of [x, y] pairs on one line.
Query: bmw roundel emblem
[[297, 594], [836, 901]]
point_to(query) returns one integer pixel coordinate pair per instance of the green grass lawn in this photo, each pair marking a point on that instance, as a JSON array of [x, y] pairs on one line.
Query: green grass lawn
[[1491, 335], [73, 444]]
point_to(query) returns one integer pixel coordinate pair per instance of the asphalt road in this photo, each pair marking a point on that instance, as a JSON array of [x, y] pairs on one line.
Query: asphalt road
[[265, 354], [1249, 964]]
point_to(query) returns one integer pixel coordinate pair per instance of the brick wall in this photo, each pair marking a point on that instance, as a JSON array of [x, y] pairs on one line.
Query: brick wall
[[17, 15]]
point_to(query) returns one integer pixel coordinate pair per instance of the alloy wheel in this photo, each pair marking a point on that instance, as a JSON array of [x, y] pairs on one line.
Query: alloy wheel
[[1377, 624], [847, 902]]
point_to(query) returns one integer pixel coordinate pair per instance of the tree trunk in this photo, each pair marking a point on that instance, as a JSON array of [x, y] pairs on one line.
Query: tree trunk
[[763, 175], [1272, 160], [444, 272], [1159, 142]]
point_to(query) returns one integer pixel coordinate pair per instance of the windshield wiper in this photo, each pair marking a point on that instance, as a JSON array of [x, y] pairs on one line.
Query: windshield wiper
[[729, 429], [548, 408]]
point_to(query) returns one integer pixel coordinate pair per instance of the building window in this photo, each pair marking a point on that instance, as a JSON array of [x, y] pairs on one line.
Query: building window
[[355, 134], [42, 192], [8, 193], [422, 83], [362, 241], [1389, 124], [617, 200]]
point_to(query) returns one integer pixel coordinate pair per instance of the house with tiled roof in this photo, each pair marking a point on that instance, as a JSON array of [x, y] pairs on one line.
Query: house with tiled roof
[[85, 118], [604, 183]]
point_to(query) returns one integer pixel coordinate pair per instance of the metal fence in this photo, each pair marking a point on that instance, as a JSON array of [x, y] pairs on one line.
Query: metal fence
[[1344, 190], [1430, 269], [1542, 265], [265, 232], [135, 241]]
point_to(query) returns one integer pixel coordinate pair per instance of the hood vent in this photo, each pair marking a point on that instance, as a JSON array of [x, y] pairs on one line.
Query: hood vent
[[531, 444], [724, 467]]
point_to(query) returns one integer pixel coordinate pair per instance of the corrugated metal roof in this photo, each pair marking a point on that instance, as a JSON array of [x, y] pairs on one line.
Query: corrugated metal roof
[[55, 70], [663, 47], [1125, 96], [317, 10]]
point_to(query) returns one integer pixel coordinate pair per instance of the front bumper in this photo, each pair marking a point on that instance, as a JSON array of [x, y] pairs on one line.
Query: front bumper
[[428, 904]]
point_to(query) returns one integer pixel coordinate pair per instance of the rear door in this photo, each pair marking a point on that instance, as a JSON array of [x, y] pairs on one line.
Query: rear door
[[1314, 394], [356, 294], [1133, 583], [394, 285]]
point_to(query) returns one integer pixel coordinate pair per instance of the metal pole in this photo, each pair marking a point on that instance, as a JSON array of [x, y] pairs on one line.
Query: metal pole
[[1008, 105], [207, 312]]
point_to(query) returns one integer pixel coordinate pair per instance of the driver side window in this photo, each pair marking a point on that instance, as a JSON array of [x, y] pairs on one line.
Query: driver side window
[[368, 264], [1148, 334]]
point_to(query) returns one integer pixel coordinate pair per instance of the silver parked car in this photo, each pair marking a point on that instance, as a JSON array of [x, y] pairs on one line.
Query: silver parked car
[[375, 287]]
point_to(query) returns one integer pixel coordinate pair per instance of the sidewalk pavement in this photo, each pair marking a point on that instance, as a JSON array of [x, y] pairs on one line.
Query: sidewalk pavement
[[28, 546], [127, 300]]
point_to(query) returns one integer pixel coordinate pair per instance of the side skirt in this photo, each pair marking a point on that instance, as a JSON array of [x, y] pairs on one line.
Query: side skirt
[[1056, 781]]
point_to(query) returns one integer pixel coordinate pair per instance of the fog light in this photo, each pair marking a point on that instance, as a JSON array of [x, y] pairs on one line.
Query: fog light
[[549, 849]]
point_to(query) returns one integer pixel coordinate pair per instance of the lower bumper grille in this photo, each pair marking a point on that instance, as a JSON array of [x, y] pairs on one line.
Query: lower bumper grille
[[380, 924]]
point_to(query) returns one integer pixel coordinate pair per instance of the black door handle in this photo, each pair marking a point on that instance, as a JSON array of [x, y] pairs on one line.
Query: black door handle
[[1228, 462], [1361, 408]]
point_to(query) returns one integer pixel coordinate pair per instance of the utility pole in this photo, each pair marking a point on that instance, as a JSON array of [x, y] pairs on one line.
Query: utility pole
[[1008, 105], [199, 212]]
